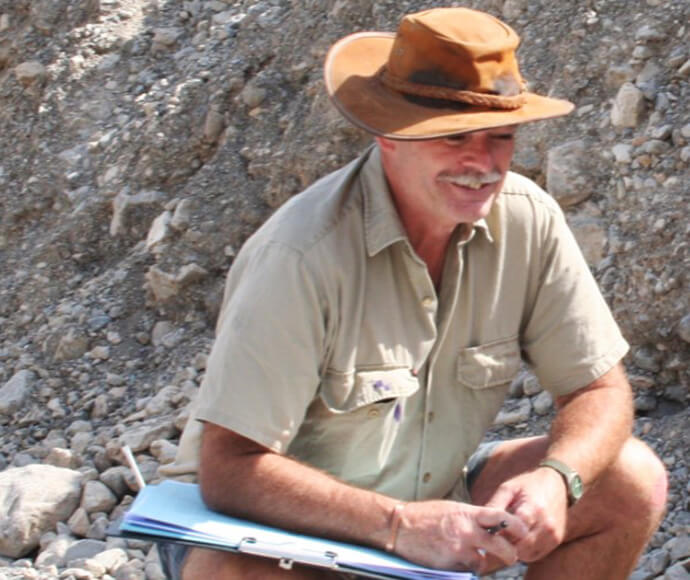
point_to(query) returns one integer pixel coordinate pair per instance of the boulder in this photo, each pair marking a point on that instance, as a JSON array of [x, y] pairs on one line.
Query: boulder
[[97, 497], [31, 507], [16, 390], [568, 172], [627, 107]]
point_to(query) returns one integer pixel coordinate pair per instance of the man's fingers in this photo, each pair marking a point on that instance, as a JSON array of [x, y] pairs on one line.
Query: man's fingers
[[501, 499], [478, 563], [541, 539], [499, 547], [495, 522], [533, 550], [527, 515]]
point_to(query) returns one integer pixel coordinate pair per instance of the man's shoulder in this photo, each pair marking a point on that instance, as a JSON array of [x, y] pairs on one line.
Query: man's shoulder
[[520, 196], [517, 187], [521, 207], [330, 204]]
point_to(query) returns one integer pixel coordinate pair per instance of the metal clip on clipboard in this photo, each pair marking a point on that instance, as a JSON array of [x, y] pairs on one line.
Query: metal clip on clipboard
[[287, 556]]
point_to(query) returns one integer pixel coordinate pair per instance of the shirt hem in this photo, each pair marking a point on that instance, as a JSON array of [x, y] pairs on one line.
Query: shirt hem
[[600, 367], [271, 441]]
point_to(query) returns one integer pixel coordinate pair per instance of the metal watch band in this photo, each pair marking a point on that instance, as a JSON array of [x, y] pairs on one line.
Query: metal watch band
[[573, 482]]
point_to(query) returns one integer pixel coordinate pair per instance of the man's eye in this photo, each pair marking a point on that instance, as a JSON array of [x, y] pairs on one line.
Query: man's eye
[[504, 136], [455, 139]]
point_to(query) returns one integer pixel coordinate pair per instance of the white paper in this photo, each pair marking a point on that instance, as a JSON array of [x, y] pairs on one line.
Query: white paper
[[175, 511]]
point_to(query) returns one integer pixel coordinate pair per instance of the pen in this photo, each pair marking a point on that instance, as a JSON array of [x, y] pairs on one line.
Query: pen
[[493, 530], [127, 452], [497, 528]]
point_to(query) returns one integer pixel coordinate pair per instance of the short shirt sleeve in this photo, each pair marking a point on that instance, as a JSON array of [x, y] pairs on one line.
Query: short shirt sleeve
[[570, 338], [263, 369]]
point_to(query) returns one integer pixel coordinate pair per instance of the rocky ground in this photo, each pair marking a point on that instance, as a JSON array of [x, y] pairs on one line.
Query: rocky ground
[[142, 141]]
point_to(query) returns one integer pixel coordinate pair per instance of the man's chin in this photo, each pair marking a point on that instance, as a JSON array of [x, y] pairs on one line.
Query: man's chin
[[474, 211]]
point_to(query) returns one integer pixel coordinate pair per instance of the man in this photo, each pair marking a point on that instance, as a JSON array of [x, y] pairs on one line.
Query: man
[[372, 326]]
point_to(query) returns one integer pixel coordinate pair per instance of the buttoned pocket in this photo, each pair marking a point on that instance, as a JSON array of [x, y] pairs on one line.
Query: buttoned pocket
[[489, 365], [357, 421], [343, 393]]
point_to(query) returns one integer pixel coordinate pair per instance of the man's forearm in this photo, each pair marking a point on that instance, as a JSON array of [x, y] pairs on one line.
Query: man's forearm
[[592, 424], [239, 477], [264, 486]]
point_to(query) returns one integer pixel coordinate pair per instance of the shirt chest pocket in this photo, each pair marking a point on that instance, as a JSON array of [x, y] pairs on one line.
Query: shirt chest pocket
[[360, 420], [348, 393], [489, 365]]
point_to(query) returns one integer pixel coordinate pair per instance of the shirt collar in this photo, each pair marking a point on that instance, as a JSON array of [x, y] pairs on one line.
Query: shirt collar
[[382, 225]]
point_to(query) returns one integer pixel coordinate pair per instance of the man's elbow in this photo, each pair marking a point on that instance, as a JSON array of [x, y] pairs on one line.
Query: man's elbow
[[225, 463], [612, 386], [213, 488]]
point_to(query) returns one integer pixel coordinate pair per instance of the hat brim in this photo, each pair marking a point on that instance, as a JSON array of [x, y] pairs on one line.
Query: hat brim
[[350, 73]]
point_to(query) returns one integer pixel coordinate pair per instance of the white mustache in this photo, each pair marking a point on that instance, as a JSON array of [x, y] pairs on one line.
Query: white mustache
[[473, 180]]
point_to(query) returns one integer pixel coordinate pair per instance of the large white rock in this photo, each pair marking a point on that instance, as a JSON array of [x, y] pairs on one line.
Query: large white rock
[[34, 499]]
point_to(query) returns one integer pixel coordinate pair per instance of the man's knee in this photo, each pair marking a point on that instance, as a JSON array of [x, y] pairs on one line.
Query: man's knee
[[640, 464], [220, 565], [626, 502], [203, 564], [635, 486]]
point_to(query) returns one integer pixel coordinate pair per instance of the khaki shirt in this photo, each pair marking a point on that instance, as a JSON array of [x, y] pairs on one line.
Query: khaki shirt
[[334, 347]]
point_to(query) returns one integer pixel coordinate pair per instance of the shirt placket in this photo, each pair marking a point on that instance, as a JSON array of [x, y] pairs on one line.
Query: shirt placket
[[428, 472], [427, 301]]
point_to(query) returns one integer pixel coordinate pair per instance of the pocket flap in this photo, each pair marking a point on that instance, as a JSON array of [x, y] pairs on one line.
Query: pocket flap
[[489, 365], [346, 392]]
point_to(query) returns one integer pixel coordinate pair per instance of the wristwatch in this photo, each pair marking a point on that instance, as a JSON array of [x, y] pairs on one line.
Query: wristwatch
[[573, 482]]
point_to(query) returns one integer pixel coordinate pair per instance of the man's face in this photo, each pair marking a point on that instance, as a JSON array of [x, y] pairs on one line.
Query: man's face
[[448, 181]]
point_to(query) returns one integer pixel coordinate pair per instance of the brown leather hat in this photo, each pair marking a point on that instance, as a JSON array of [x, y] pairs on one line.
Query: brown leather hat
[[446, 71]]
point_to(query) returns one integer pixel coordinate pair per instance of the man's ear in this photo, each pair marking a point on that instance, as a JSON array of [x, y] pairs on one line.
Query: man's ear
[[385, 144]]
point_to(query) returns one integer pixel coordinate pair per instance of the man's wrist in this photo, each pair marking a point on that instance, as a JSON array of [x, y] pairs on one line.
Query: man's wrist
[[571, 478], [396, 517]]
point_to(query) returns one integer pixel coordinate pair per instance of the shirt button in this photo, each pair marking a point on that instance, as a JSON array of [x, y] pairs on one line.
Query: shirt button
[[427, 302], [373, 413], [430, 416], [427, 477]]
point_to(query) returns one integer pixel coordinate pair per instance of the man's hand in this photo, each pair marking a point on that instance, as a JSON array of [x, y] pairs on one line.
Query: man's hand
[[452, 535], [584, 434], [539, 498]]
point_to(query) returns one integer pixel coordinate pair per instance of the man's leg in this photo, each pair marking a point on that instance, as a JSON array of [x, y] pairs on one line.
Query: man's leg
[[218, 565], [608, 528]]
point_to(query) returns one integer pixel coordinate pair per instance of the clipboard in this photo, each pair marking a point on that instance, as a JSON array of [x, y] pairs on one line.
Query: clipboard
[[173, 511]]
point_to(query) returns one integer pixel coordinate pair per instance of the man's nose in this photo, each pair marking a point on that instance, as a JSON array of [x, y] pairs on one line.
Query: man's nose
[[477, 153]]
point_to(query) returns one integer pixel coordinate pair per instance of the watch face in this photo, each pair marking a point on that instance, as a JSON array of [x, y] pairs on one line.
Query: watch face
[[576, 487], [571, 478]]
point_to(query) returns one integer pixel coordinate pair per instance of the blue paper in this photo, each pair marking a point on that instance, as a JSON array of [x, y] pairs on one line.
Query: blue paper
[[175, 511]]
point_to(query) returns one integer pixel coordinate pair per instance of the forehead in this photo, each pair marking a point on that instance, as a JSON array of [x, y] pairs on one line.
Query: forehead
[[467, 138], [495, 139], [506, 129]]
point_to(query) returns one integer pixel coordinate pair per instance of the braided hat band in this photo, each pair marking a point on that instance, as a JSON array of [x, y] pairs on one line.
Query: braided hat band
[[449, 94]]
